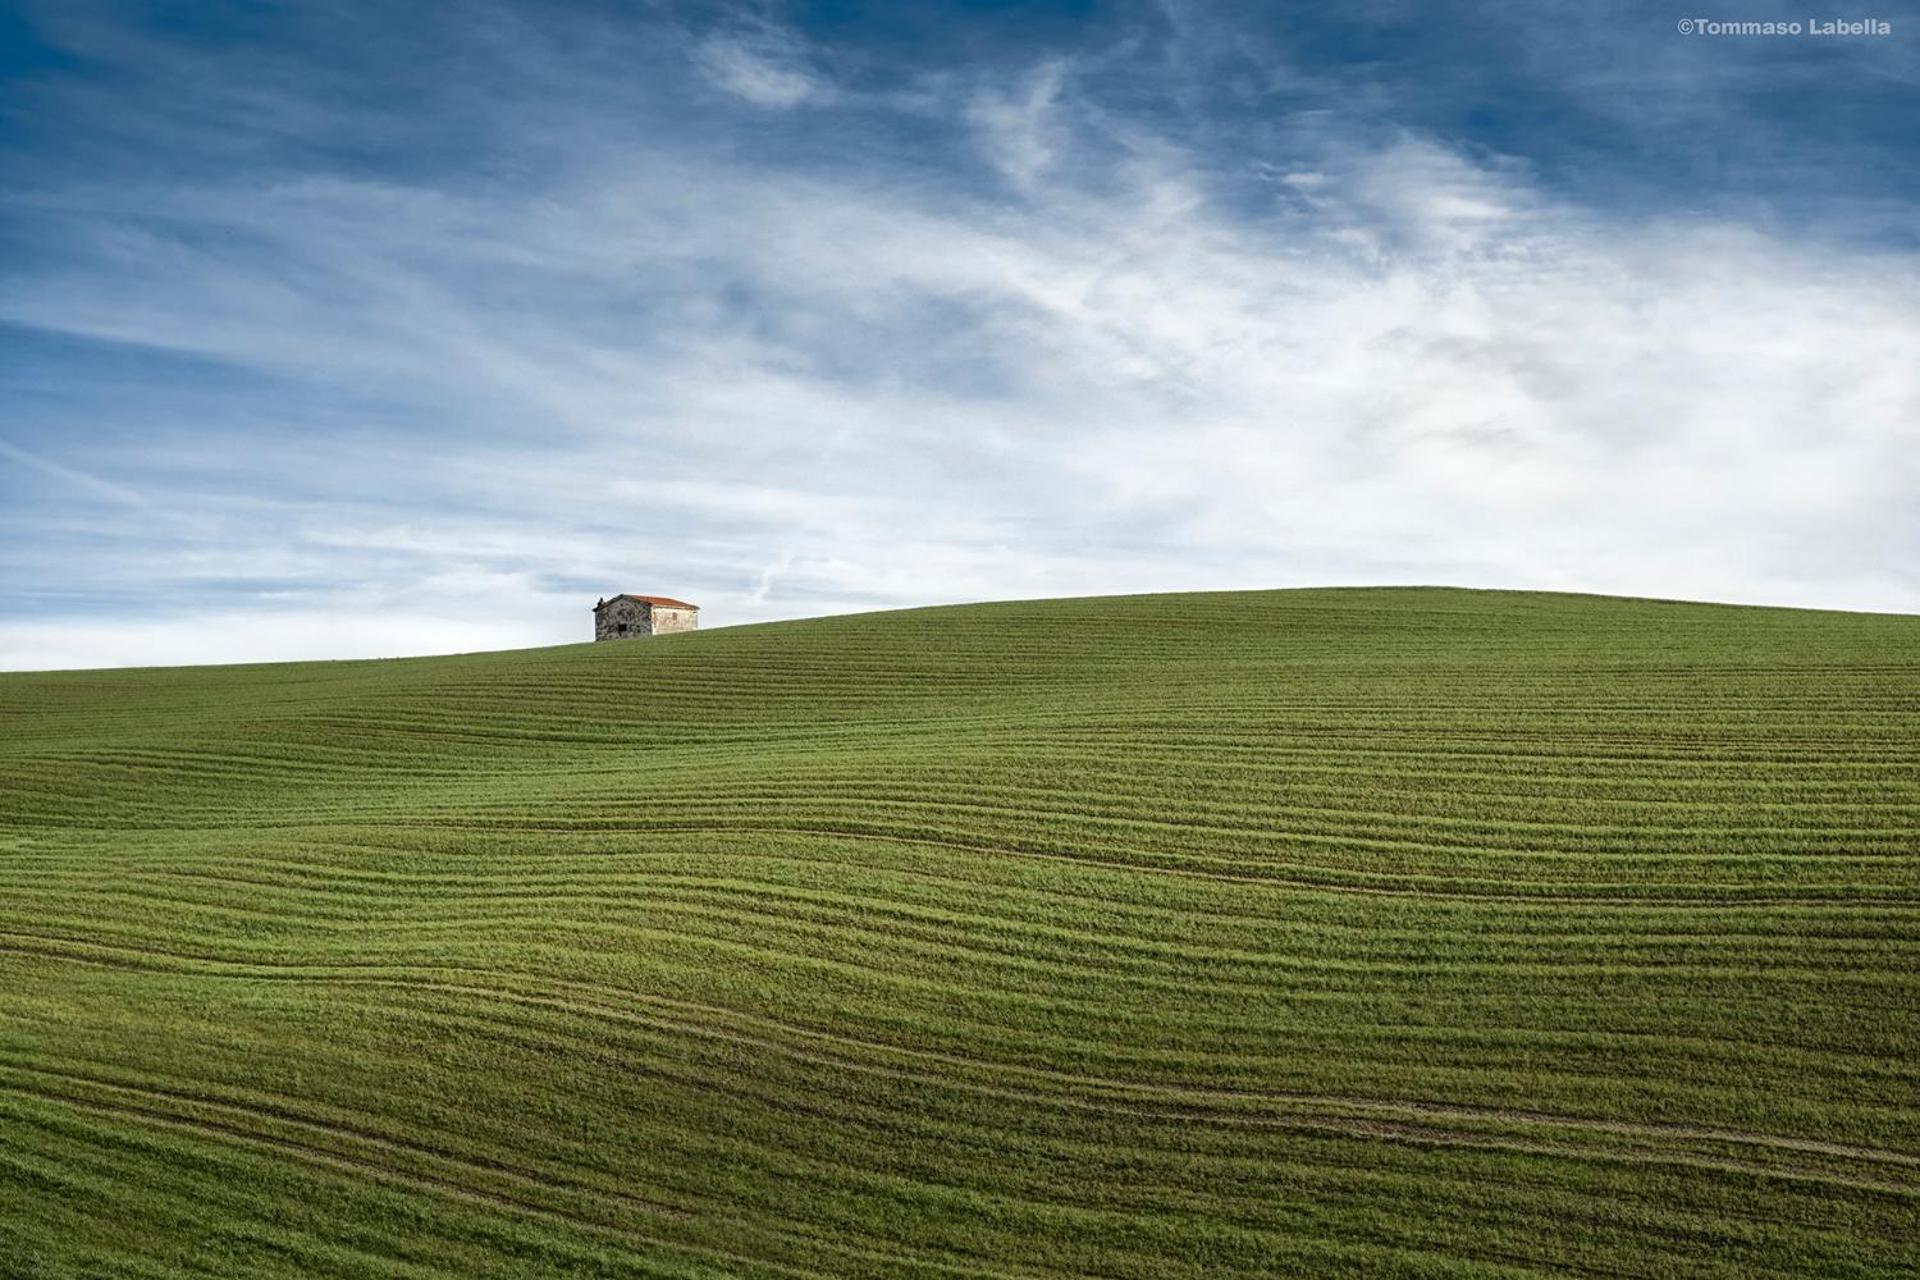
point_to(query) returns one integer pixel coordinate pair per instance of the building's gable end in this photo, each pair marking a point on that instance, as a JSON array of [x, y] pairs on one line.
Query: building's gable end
[[667, 619]]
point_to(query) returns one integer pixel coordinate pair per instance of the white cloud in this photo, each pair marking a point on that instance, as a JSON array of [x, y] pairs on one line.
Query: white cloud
[[1019, 127], [764, 67]]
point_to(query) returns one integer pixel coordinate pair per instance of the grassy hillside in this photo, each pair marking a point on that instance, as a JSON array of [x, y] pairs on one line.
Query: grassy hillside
[[1409, 932]]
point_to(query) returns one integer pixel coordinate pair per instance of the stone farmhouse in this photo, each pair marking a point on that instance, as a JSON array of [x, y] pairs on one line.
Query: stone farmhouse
[[624, 617]]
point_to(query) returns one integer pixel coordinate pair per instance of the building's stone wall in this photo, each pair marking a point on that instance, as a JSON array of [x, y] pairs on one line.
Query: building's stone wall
[[666, 620], [622, 619]]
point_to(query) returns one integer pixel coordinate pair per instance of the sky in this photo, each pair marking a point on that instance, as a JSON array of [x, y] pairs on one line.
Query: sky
[[350, 329]]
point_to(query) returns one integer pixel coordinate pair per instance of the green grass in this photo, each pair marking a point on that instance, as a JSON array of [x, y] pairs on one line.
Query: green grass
[[1371, 932]]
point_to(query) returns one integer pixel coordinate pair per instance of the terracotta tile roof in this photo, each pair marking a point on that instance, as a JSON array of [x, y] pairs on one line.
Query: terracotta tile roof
[[666, 602]]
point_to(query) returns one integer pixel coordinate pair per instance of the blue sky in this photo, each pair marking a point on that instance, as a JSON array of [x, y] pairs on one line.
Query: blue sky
[[362, 329]]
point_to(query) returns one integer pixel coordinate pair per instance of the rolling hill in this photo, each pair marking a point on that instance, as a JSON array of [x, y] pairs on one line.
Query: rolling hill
[[1410, 932]]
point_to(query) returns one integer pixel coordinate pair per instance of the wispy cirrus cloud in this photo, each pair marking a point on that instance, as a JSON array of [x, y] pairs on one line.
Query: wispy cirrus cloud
[[763, 64]]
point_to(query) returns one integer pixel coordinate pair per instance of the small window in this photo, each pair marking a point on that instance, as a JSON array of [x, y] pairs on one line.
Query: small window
[[622, 628]]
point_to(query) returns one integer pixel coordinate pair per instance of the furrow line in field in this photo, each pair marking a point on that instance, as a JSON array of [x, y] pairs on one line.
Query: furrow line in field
[[1013, 937], [542, 877], [1311, 878], [682, 919], [1235, 863], [1420, 813]]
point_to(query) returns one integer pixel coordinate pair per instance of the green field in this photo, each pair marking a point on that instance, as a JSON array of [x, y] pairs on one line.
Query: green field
[[1362, 932]]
